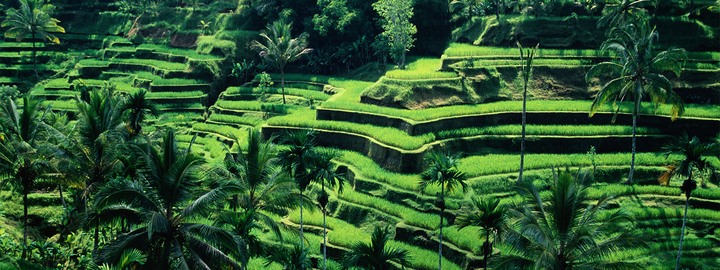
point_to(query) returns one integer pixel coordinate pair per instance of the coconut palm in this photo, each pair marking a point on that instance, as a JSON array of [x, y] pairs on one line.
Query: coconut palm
[[22, 153], [565, 231], [294, 161], [280, 48], [623, 12], [442, 171], [489, 215], [639, 74], [264, 188], [377, 255], [322, 170], [687, 188], [31, 20], [137, 107], [526, 68], [164, 210], [294, 258], [93, 149], [694, 155]]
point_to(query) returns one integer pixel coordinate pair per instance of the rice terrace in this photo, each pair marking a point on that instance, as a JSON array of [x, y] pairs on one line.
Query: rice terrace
[[357, 134]]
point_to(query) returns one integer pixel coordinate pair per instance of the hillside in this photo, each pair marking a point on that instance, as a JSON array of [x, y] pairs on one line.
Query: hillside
[[461, 92]]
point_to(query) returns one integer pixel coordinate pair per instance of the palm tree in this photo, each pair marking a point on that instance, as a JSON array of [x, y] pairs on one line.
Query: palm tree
[[640, 74], [694, 155], [29, 21], [295, 258], [138, 107], [489, 215], [264, 187], [294, 161], [93, 150], [565, 230], [624, 12], [280, 48], [467, 5], [164, 209], [322, 170], [130, 259], [377, 255], [526, 65], [442, 170], [22, 153], [687, 188]]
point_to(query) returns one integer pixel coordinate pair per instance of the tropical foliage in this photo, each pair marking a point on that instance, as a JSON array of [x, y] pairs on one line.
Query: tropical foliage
[[566, 229], [639, 73]]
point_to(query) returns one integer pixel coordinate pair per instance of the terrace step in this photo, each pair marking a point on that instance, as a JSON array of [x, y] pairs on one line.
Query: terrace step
[[180, 88], [701, 127], [411, 161]]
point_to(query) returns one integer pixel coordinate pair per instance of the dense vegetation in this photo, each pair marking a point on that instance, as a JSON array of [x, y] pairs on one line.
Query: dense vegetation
[[351, 134]]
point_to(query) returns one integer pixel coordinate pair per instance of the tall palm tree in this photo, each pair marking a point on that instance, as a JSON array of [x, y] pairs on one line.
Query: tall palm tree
[[565, 230], [442, 170], [264, 186], [322, 170], [29, 21], [687, 188], [489, 215], [639, 74], [22, 151], [138, 107], [526, 64], [377, 255], [280, 48], [694, 155], [623, 12], [93, 148], [164, 210], [294, 161]]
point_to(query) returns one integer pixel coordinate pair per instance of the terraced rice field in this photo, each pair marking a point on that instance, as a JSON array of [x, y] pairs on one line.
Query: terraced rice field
[[383, 147]]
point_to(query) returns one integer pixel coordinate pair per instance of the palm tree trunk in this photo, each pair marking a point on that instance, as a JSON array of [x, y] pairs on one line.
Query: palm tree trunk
[[282, 83], [62, 198], [96, 243], [25, 220], [34, 51], [324, 229], [682, 234], [324, 242], [302, 239], [522, 141], [442, 210], [488, 249], [636, 111]]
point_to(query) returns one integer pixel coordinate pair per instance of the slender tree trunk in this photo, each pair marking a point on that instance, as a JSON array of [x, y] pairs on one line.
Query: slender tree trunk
[[488, 249], [282, 82], [324, 242], [96, 243], [324, 227], [497, 9], [522, 141], [302, 239], [34, 55], [442, 210], [25, 221], [636, 112], [62, 200], [682, 234]]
